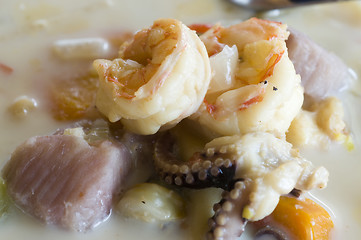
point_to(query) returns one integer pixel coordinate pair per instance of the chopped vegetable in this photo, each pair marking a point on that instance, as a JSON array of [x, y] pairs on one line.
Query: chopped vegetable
[[299, 219], [152, 203], [4, 200], [73, 99]]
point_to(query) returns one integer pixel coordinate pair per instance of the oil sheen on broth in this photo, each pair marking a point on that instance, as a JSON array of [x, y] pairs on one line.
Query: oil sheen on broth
[[29, 28]]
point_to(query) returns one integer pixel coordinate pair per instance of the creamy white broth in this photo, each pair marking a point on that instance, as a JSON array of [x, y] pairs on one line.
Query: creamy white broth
[[29, 28], [337, 28]]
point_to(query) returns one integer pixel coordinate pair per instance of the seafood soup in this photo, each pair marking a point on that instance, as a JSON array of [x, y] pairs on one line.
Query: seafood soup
[[200, 105]]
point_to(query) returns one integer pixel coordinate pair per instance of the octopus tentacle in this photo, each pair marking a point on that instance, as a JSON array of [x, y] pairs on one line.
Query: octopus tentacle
[[208, 168], [269, 166], [227, 222]]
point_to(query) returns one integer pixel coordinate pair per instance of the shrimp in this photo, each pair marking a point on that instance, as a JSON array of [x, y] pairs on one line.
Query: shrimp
[[254, 85], [160, 78]]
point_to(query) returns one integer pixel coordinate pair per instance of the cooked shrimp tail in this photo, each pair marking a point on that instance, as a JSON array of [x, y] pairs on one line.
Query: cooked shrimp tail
[[160, 78]]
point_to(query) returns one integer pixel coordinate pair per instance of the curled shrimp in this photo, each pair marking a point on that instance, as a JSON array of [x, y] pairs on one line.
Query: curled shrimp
[[160, 77], [254, 85]]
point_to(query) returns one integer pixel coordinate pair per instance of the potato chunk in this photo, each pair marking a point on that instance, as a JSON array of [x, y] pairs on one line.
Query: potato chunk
[[152, 203]]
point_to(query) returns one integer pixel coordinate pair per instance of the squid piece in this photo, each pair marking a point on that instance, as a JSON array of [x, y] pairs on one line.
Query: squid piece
[[260, 90], [160, 78]]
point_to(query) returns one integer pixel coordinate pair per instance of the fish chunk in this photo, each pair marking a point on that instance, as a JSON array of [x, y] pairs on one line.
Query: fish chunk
[[323, 73], [63, 180]]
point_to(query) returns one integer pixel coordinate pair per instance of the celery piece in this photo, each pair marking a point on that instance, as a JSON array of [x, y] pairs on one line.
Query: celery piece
[[4, 200]]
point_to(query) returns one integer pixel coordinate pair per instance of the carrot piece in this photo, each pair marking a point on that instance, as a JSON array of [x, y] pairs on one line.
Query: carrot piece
[[301, 219], [73, 99]]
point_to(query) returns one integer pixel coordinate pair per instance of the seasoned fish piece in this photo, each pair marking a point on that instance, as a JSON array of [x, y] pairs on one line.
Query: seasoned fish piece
[[323, 74], [63, 180]]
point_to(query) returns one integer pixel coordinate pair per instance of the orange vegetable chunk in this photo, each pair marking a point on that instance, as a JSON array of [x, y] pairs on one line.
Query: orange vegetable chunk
[[300, 219], [74, 99]]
